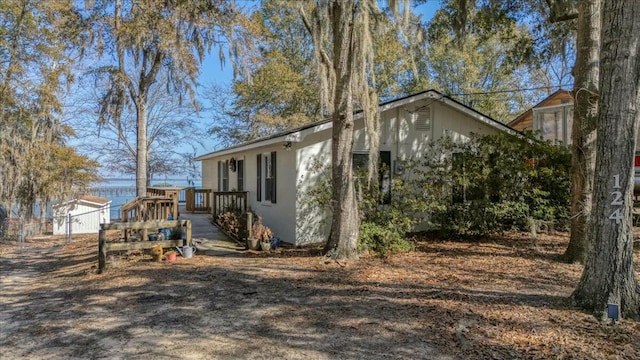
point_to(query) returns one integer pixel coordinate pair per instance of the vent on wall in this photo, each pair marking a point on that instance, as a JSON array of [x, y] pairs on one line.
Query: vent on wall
[[422, 119]]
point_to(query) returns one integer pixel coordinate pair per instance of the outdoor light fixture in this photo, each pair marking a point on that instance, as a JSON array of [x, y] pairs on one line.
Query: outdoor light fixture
[[287, 146], [612, 312]]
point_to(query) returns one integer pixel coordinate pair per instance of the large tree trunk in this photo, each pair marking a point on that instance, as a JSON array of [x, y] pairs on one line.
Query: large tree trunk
[[141, 147], [344, 232], [608, 275], [585, 93]]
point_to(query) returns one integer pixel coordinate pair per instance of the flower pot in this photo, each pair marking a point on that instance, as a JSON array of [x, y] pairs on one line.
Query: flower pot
[[265, 245], [171, 256], [253, 244], [275, 243]]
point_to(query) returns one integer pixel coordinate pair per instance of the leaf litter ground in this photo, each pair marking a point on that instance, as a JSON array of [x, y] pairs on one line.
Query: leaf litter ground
[[498, 298]]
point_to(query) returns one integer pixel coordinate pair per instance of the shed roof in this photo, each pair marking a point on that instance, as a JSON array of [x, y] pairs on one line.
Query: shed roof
[[87, 199]]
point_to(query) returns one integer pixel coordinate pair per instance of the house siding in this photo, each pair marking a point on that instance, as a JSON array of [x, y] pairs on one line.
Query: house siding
[[275, 215], [398, 135], [295, 218], [85, 218]]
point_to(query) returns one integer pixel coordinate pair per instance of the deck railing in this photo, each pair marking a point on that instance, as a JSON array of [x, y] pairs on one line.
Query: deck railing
[[144, 228], [171, 192], [148, 208], [224, 201], [198, 199]]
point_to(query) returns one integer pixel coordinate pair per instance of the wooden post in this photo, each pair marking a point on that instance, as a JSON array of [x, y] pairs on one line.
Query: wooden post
[[215, 205], [175, 197], [70, 228], [249, 224], [188, 239], [102, 250], [244, 204]]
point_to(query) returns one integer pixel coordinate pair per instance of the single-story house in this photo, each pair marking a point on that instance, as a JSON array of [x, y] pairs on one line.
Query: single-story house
[[553, 119], [87, 213], [277, 171]]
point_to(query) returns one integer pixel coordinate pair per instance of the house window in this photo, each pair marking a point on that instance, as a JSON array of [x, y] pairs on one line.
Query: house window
[[266, 166], [240, 172], [225, 175], [360, 164], [554, 123]]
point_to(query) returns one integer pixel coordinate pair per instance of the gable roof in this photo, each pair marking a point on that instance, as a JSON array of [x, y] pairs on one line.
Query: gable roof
[[555, 95], [299, 133]]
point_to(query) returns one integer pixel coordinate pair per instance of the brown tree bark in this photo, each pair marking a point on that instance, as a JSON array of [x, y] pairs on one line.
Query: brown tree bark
[[141, 148], [345, 222], [585, 93], [608, 275]]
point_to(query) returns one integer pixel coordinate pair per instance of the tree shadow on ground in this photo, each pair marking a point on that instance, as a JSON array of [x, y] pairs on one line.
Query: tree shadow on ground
[[261, 307]]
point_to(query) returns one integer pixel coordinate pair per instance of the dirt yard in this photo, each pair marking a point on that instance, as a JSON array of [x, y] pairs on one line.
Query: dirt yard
[[494, 299]]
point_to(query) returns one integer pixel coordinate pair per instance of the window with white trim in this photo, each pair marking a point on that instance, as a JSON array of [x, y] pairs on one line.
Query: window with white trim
[[240, 173], [266, 179], [225, 175], [554, 123]]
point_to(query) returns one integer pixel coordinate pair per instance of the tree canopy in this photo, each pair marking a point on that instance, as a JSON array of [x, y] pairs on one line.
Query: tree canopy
[[137, 41], [37, 40]]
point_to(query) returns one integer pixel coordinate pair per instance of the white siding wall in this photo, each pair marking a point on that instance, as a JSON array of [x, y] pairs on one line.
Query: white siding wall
[[279, 216], [293, 218], [209, 174], [85, 218], [313, 159]]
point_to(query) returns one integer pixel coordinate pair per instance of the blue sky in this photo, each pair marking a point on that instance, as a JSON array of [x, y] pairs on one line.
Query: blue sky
[[213, 73]]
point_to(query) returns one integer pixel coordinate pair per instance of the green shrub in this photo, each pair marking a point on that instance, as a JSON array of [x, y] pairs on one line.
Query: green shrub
[[382, 240], [488, 184], [495, 183]]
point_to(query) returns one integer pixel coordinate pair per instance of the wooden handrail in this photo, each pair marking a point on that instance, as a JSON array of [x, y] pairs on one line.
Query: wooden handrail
[[198, 199], [229, 201], [104, 246]]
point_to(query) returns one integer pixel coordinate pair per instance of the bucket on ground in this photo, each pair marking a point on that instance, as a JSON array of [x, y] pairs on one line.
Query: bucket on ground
[[186, 251]]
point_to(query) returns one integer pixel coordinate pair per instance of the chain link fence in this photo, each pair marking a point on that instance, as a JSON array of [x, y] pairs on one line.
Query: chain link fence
[[19, 229]]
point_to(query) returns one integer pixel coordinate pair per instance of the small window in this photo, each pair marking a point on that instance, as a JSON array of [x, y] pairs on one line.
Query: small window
[[554, 123], [266, 177], [240, 172], [360, 165], [225, 175], [422, 119]]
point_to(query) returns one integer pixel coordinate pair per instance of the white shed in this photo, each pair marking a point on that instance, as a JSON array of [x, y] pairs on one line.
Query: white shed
[[87, 213]]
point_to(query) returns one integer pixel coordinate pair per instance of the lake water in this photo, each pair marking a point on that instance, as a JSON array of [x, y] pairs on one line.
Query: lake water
[[121, 190]]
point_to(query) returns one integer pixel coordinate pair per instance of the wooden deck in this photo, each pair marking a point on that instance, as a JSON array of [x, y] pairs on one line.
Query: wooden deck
[[208, 239]]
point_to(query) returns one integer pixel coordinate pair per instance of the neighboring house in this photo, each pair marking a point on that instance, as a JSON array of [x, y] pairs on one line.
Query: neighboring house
[[553, 118], [87, 213], [277, 171]]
